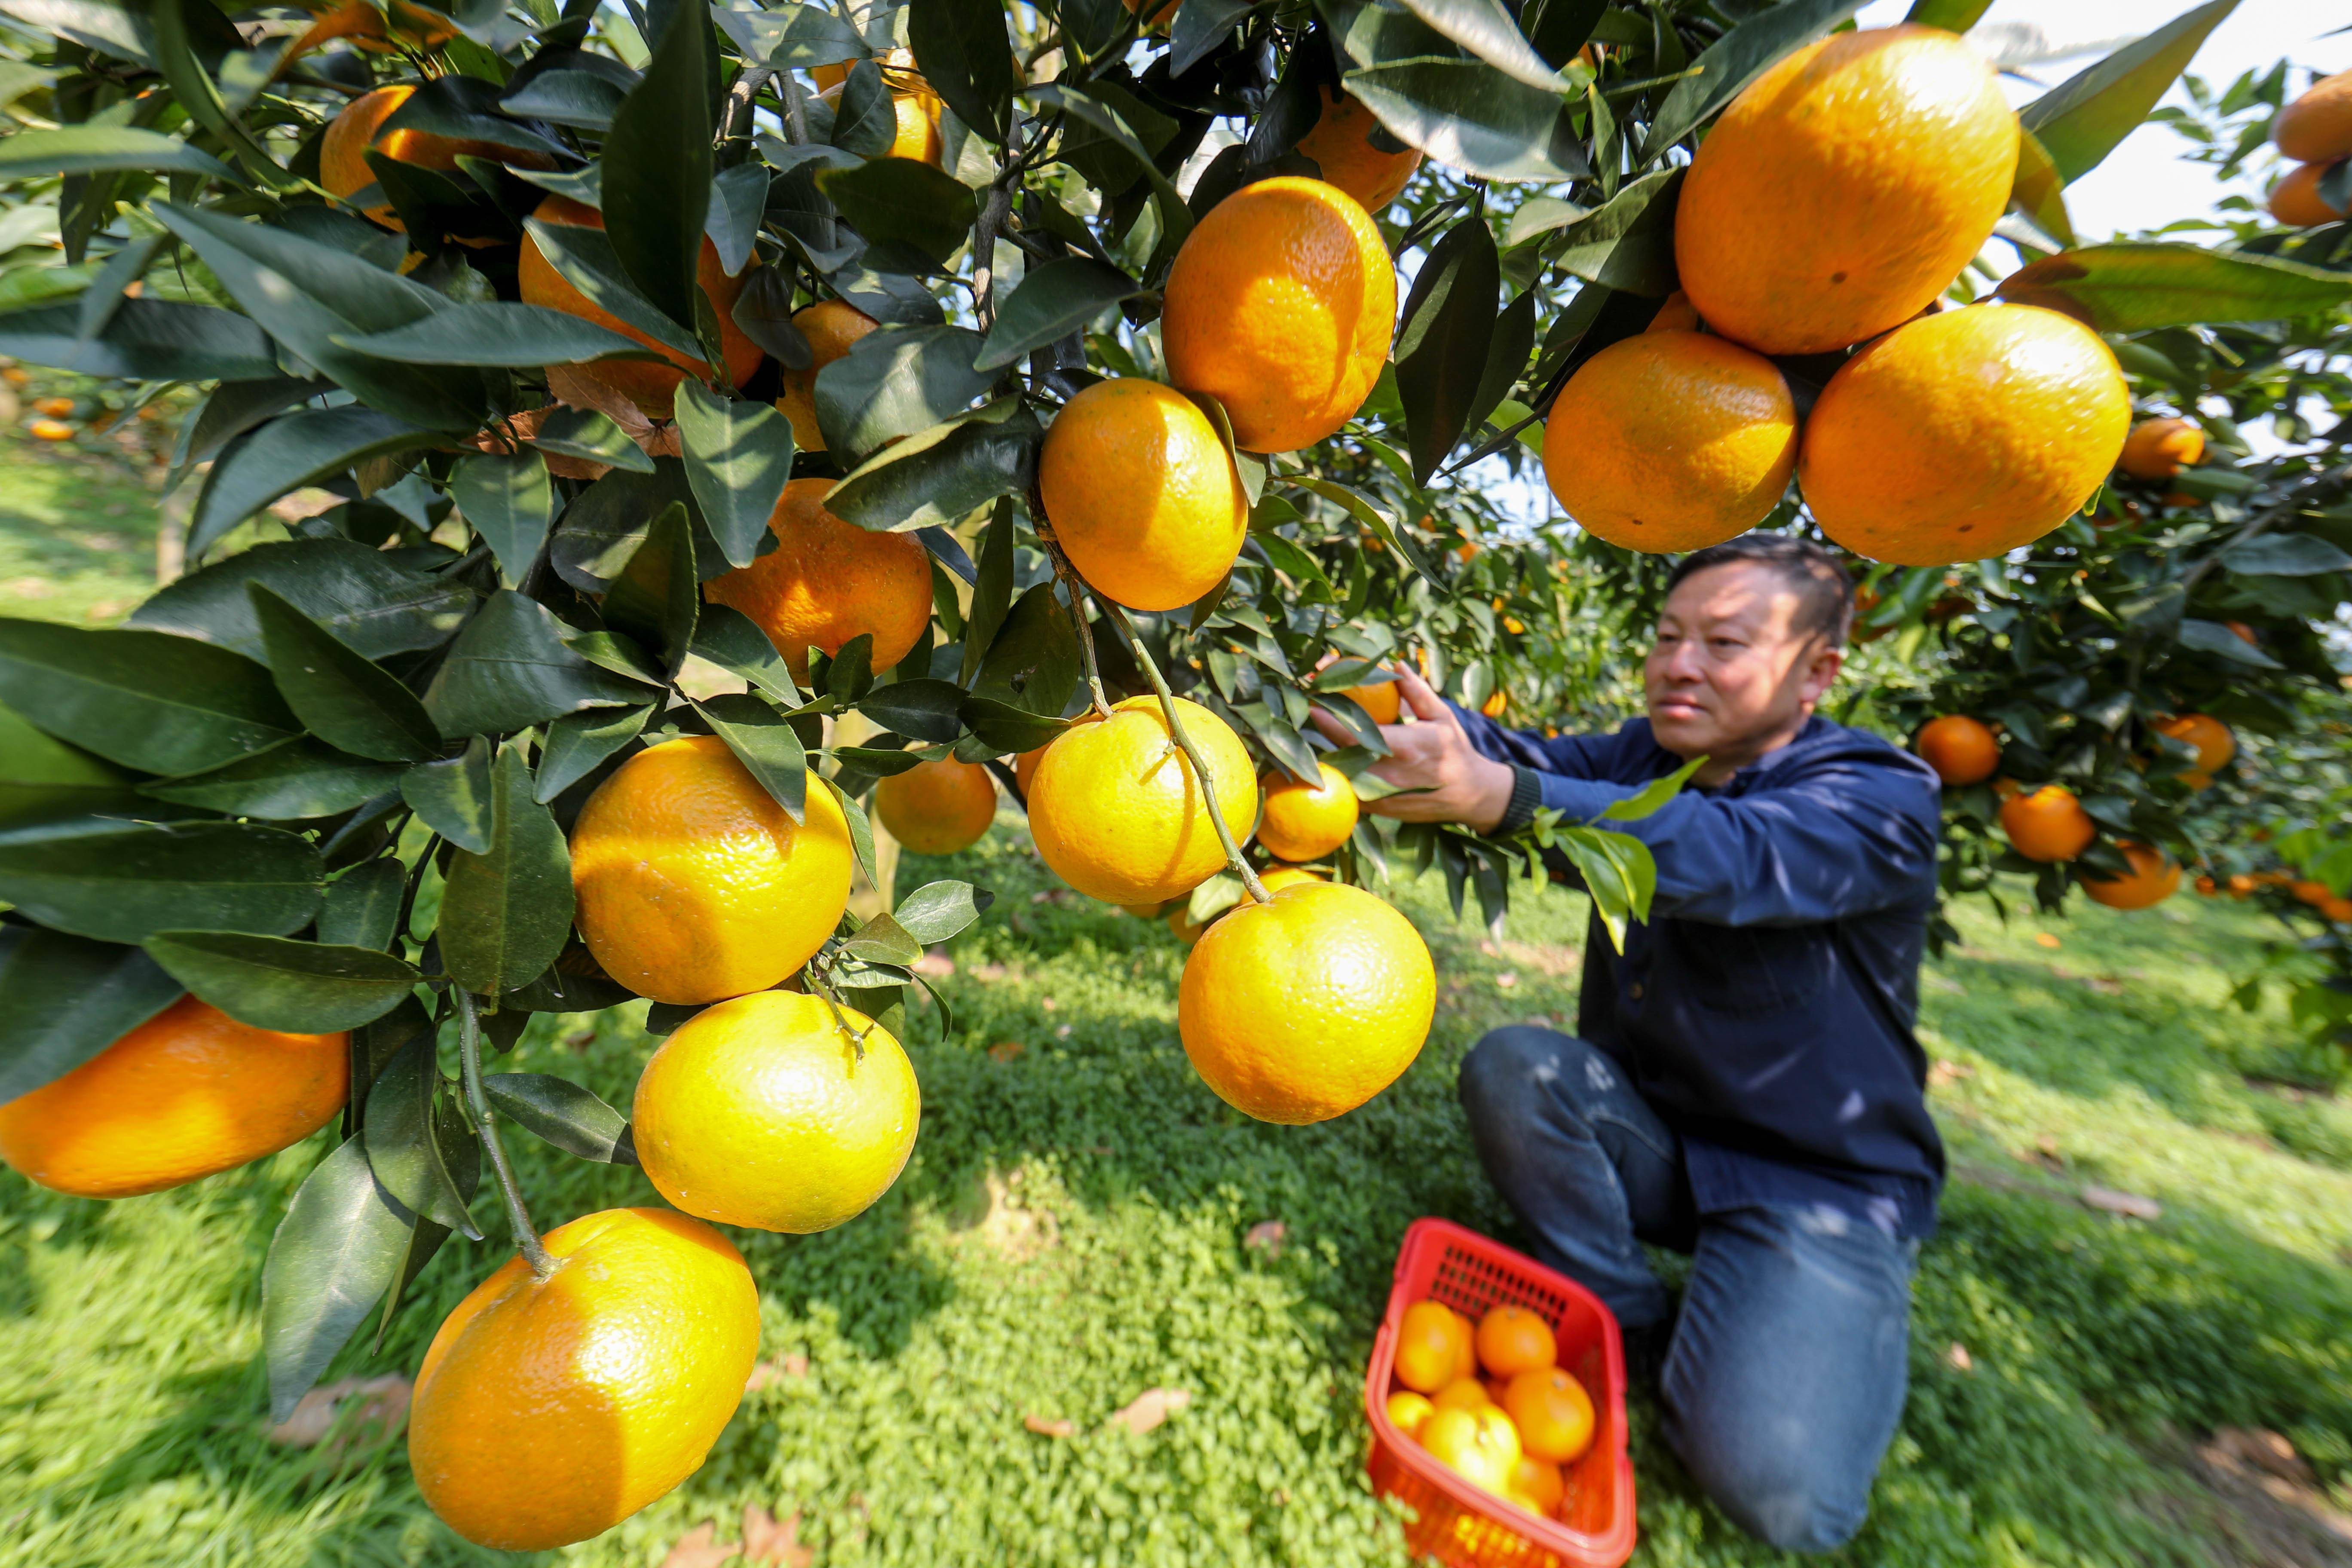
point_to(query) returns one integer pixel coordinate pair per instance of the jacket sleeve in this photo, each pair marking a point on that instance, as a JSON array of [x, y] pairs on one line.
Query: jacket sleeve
[[1851, 836]]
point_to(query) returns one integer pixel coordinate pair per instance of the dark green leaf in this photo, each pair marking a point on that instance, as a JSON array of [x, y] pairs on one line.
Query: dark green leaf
[[1507, 360], [451, 795], [585, 258], [1200, 28], [1112, 113], [920, 709], [506, 913], [161, 704], [145, 339], [498, 332], [90, 149], [739, 457], [657, 166], [2285, 555], [605, 524], [1443, 347], [336, 1253], [962, 48], [510, 668], [1033, 662], [1952, 15], [586, 433], [291, 451], [42, 778], [362, 906], [2211, 637], [566, 1115], [1468, 115], [1053, 302], [339, 694], [734, 642], [2134, 285], [1734, 60], [936, 477], [64, 999], [938, 911], [425, 1239], [124, 881], [577, 743], [1488, 31], [904, 201], [883, 940], [510, 501], [898, 381], [992, 595], [403, 1148], [584, 100], [655, 598], [297, 780], [764, 743], [361, 596], [793, 34], [2081, 119], [864, 120], [1628, 244], [861, 831], [276, 983], [739, 203], [1008, 728], [573, 984]]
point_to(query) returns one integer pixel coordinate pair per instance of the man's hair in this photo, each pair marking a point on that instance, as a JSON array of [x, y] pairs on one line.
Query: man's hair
[[1825, 592]]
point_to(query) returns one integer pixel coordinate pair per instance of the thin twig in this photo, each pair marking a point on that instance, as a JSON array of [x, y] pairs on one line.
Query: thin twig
[[469, 1057], [1234, 861], [1076, 587], [740, 102], [2311, 494]]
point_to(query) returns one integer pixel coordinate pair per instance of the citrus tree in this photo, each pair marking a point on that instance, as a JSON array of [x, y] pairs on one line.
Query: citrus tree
[[743, 419]]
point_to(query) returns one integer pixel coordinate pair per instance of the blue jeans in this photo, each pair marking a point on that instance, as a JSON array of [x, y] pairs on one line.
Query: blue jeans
[[1786, 1372]]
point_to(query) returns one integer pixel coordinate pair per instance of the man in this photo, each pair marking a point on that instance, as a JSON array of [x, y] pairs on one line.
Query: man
[[1745, 1086]]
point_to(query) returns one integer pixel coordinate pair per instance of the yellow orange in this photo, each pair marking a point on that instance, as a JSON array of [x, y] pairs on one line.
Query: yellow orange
[[1407, 1410], [1512, 1340], [2154, 877], [2159, 448], [1141, 495], [1025, 766], [937, 808], [831, 329], [1536, 1485], [2048, 823], [1340, 142], [1306, 822], [1433, 1342], [1480, 1446], [828, 581], [1118, 814], [1552, 1412], [916, 111], [2317, 128], [1961, 750], [2214, 744], [1462, 1393]]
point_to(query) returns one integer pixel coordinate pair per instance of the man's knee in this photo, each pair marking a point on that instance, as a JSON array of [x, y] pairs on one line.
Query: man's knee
[[1784, 1492], [1513, 1071]]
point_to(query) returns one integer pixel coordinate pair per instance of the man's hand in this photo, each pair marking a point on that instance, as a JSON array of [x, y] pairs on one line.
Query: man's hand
[[1451, 780]]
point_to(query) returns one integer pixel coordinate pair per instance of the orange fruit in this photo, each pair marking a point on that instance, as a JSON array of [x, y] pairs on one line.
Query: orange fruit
[[2296, 201], [918, 113], [1536, 1485], [343, 169], [1670, 441], [191, 1092], [767, 1111], [1384, 703], [2241, 886], [1025, 766], [1407, 1410], [55, 408], [2049, 823], [1480, 1446], [1845, 189], [1552, 1412], [1341, 143], [2317, 128], [1281, 303], [1141, 494], [1512, 1340], [1961, 750], [1306, 822], [411, 29], [828, 581], [2154, 877], [2312, 893], [1462, 1393], [1303, 1008], [694, 885], [651, 387], [937, 808], [1118, 814], [548, 1411], [1160, 17], [831, 329], [2214, 744], [1676, 315], [1963, 434], [50, 430], [2159, 448], [1273, 878], [894, 63], [2243, 633], [2337, 909], [1431, 1340]]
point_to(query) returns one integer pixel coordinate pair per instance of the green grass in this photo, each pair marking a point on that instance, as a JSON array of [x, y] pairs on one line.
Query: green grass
[[77, 531], [1070, 1233]]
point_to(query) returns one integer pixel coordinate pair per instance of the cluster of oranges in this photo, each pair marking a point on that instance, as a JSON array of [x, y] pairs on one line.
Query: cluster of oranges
[[2316, 130], [1491, 1404], [1834, 203], [2323, 899]]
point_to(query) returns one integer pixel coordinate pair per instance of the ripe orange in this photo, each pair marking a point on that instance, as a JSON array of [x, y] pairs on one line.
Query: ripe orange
[[1676, 315], [55, 408], [1141, 494], [1552, 1412], [1462, 1393], [1025, 766], [2317, 128], [1273, 878], [1480, 1446], [358, 129], [1341, 143], [2296, 201], [651, 387], [1845, 189], [2047, 825], [766, 1112], [2159, 448], [1512, 1340], [1303, 1008], [694, 885], [2154, 877], [188, 1093], [1670, 441], [410, 29], [1536, 1485], [2339, 911], [1384, 703], [894, 63], [828, 581], [1118, 814], [2312, 893], [1281, 303], [831, 329], [937, 808], [549, 1410], [2214, 744], [917, 109], [1961, 750], [1407, 1410], [1432, 1342], [1963, 434], [50, 430], [1306, 822]]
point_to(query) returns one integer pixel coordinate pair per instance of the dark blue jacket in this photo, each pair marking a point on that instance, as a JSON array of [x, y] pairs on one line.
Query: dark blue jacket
[[1766, 1007]]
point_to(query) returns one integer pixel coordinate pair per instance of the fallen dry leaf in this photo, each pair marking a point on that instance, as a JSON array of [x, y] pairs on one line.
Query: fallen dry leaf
[[2047, 939], [1959, 1359], [2130, 1204], [1267, 1236], [1505, 980], [1005, 1050], [768, 1373], [1148, 1409], [2265, 1450], [1045, 1428], [767, 1540], [1941, 1073], [698, 1549], [359, 1412]]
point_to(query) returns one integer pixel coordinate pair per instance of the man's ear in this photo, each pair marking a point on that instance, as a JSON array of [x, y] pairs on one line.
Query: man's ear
[[1822, 666]]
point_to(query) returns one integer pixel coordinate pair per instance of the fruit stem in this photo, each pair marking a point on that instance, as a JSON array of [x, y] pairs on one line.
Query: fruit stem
[[469, 1057], [1234, 861], [1076, 588]]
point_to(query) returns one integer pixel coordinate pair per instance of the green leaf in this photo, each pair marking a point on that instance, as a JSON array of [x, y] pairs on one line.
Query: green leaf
[[1007, 726], [1507, 360], [160, 704], [1033, 662], [1653, 794], [1628, 244], [564, 1113], [296, 780], [1377, 521], [585, 258], [962, 48], [1952, 15], [94, 149], [655, 598], [337, 1252], [42, 777], [124, 881], [921, 710], [903, 201], [2284, 555], [2081, 119], [898, 381], [362, 908], [1054, 300], [451, 795], [505, 914], [338, 693], [510, 668], [292, 450], [2039, 192], [573, 984], [510, 503], [882, 940], [765, 744], [586, 433], [410, 1146], [1488, 31], [179, 34], [1442, 348], [1091, 106], [276, 983], [498, 332], [1734, 60], [861, 831], [793, 34], [936, 477], [938, 911], [864, 120], [734, 642], [577, 743], [991, 594], [739, 457], [607, 522], [64, 999], [145, 339], [360, 595], [657, 166], [2131, 286], [1468, 115], [2211, 637], [1197, 32]]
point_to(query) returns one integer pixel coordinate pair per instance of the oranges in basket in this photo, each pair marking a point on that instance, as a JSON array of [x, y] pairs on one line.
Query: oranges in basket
[[1508, 1432]]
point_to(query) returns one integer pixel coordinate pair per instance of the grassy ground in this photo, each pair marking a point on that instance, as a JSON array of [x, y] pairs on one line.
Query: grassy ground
[[77, 531], [1072, 1231]]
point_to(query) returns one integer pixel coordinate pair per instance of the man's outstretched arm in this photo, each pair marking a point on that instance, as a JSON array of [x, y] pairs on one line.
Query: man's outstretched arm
[[1453, 780]]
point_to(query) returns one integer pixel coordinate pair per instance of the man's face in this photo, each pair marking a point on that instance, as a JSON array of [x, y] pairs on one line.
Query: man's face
[[1731, 674]]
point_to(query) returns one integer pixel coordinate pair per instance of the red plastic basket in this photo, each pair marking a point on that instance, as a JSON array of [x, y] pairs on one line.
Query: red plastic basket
[[1463, 1525]]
